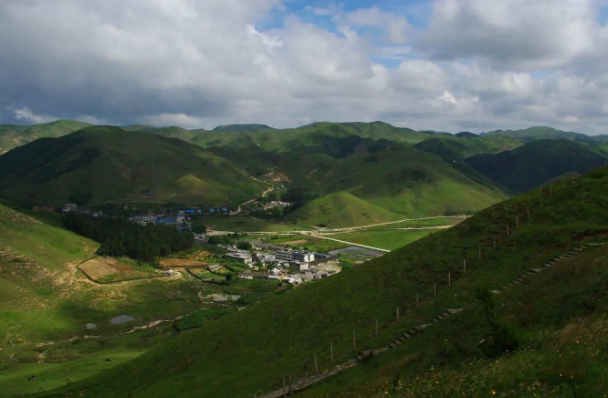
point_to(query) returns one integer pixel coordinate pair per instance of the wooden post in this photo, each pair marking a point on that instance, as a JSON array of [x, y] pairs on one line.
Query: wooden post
[[377, 327], [464, 266], [517, 221], [435, 288], [284, 388], [480, 252], [290, 385], [316, 366], [331, 351], [449, 278], [397, 313], [416, 299], [528, 211], [354, 340]]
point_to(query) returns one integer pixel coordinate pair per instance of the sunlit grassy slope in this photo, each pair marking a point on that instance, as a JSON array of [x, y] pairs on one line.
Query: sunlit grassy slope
[[282, 335]]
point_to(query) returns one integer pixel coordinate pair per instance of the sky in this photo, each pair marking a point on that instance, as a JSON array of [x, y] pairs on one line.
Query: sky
[[445, 65]]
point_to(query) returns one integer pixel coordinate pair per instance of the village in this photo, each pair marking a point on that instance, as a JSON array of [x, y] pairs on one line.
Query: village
[[291, 266]]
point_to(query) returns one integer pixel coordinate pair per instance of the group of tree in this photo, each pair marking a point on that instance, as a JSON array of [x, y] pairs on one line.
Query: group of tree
[[123, 238], [298, 196]]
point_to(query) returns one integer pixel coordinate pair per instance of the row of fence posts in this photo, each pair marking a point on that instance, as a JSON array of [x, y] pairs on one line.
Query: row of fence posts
[[287, 388]]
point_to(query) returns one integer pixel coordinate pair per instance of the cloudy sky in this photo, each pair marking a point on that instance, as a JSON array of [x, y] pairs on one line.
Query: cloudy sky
[[448, 65]]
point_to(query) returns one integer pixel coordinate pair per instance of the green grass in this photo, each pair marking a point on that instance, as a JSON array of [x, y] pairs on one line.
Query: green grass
[[107, 164], [200, 318], [282, 334], [387, 239], [341, 210], [14, 380], [246, 224]]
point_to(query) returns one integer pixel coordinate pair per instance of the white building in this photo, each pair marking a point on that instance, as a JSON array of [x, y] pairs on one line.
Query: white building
[[291, 255]]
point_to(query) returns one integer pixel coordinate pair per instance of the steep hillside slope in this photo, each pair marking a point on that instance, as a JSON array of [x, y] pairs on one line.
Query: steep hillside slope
[[462, 147], [535, 163], [341, 209], [12, 136], [108, 164], [321, 322]]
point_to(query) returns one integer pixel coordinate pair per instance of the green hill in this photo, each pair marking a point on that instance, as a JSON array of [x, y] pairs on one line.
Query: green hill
[[402, 180], [540, 315], [242, 128], [107, 164], [541, 133], [170, 132], [535, 163], [341, 209], [462, 147], [12, 136]]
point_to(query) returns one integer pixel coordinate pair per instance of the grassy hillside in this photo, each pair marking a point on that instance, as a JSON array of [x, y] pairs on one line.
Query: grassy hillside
[[535, 163], [12, 136], [284, 334], [108, 164], [541, 133], [242, 127], [462, 147], [341, 209]]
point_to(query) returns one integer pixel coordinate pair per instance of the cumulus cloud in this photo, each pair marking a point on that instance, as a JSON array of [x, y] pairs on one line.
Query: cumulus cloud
[[27, 115], [201, 63]]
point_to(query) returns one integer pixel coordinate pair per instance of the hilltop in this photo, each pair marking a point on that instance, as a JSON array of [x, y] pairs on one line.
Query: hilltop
[[243, 127], [107, 164], [283, 335], [536, 163], [12, 136]]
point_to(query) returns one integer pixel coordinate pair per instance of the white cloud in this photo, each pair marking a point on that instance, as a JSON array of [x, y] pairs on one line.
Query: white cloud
[[201, 63], [518, 34], [27, 115], [395, 27]]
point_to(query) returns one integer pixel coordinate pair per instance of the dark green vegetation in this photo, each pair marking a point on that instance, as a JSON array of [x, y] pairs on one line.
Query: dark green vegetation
[[123, 238], [199, 318], [107, 164], [536, 163], [283, 334]]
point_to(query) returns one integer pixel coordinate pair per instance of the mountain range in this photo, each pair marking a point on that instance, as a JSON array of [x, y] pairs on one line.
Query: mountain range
[[371, 171]]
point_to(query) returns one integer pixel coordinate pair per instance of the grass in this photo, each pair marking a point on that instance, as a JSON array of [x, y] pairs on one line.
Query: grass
[[341, 210], [387, 239], [246, 224], [200, 318], [107, 164], [283, 334]]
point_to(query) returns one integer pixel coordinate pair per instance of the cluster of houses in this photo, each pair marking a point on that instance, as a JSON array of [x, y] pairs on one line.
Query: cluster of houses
[[287, 265]]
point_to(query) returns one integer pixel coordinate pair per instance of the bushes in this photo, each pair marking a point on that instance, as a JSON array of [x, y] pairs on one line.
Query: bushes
[[504, 337]]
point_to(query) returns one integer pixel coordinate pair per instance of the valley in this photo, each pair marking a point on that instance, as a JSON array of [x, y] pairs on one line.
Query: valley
[[287, 242]]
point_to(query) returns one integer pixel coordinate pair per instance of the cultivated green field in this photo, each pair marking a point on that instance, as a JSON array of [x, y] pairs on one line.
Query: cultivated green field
[[246, 224]]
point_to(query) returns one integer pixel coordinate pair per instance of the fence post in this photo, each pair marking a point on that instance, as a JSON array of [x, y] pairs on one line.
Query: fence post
[[316, 367], [397, 313], [435, 288], [480, 252], [284, 388], [494, 242], [464, 266], [449, 278], [354, 341], [528, 211], [507, 229], [416, 299], [517, 221]]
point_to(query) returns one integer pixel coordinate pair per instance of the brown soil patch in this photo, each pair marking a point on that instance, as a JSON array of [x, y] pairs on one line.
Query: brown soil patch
[[181, 263], [103, 269], [296, 242]]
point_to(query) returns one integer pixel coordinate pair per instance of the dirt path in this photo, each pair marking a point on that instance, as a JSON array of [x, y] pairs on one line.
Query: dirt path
[[351, 243]]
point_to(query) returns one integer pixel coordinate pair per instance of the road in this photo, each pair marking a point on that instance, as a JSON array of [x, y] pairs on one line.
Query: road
[[352, 244], [238, 210]]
